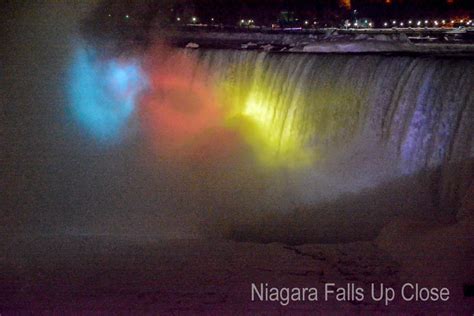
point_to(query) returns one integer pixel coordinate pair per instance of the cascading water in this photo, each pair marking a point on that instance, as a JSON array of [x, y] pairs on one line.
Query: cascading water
[[420, 109], [354, 123], [274, 146]]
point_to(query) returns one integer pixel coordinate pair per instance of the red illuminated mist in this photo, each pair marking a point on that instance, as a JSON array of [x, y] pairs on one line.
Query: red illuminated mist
[[180, 111]]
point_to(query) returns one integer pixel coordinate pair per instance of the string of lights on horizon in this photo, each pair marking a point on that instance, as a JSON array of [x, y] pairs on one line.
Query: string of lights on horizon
[[355, 23]]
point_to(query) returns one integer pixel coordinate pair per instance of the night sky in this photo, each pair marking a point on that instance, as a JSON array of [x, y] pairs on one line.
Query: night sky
[[266, 12]]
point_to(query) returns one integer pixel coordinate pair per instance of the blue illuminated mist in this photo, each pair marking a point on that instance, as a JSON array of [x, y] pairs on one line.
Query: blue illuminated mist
[[103, 94]]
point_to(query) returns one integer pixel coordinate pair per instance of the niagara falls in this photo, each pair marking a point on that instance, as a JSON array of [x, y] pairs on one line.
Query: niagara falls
[[197, 157]]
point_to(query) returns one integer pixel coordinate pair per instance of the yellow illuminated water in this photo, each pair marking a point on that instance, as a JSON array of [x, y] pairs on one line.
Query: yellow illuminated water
[[287, 122]]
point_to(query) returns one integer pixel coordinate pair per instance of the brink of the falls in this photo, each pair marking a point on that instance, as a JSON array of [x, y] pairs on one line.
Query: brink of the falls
[[385, 136]]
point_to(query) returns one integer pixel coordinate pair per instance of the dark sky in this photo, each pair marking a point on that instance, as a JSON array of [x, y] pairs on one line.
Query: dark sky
[[372, 8], [265, 12]]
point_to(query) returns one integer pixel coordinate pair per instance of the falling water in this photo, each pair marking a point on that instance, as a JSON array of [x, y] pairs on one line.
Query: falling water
[[364, 121], [419, 109]]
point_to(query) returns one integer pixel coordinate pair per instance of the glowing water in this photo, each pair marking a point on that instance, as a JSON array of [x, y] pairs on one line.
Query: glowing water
[[420, 110], [103, 93], [384, 136], [312, 147]]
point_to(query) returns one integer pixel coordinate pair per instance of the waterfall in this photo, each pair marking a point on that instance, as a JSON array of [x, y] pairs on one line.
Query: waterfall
[[420, 109], [417, 111]]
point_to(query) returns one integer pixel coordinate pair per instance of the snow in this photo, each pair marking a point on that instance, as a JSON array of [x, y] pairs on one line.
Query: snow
[[249, 45], [432, 253], [192, 45], [112, 273], [267, 47], [355, 47], [330, 41]]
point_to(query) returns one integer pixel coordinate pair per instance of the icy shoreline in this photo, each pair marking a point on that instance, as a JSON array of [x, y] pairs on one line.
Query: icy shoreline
[[94, 273], [329, 42], [372, 46]]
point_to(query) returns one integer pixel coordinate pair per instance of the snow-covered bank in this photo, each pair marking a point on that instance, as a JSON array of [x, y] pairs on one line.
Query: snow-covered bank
[[332, 41], [92, 274], [374, 46]]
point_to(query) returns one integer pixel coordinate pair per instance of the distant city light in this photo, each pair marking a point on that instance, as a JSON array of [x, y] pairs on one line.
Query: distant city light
[[362, 23]]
